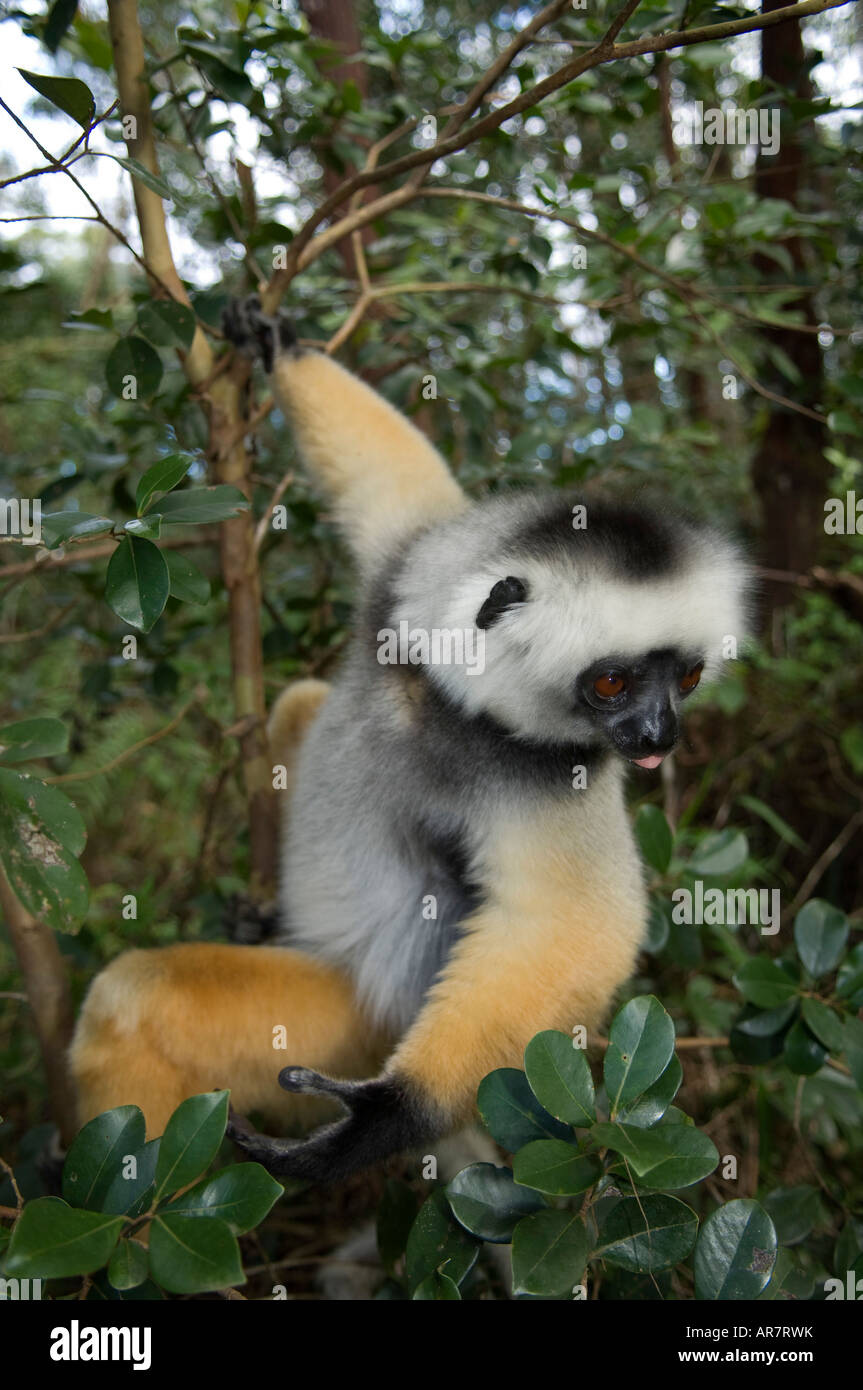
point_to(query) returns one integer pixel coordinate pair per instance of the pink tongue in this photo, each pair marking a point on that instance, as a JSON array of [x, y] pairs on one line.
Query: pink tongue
[[653, 761]]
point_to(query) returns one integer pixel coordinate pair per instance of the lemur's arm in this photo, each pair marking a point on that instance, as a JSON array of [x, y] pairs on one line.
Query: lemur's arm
[[381, 473], [547, 950]]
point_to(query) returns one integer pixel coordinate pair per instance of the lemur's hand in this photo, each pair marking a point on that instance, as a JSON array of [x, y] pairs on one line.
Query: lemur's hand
[[383, 1119], [255, 333]]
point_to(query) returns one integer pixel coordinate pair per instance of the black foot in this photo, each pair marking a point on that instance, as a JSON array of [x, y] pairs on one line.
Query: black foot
[[255, 333], [249, 923], [383, 1119]]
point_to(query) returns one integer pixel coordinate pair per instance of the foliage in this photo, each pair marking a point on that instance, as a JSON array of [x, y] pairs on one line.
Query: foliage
[[136, 1217]]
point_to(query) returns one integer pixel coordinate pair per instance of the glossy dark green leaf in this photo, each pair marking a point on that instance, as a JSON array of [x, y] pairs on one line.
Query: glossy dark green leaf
[[191, 1141], [133, 369], [640, 1047], [719, 853], [241, 1195], [761, 981], [58, 527], [512, 1113], [128, 1265], [488, 1203], [558, 1074], [186, 581], [438, 1242], [53, 1241], [167, 323], [437, 1287], [820, 935], [549, 1253], [555, 1167], [824, 1022], [652, 1104], [131, 1191], [154, 182], [803, 1053], [654, 837], [794, 1211], [188, 1255], [33, 738], [137, 583], [396, 1215], [96, 1154], [735, 1252], [671, 1156], [202, 505], [849, 981], [647, 1233], [60, 16], [68, 94], [161, 477], [764, 1023]]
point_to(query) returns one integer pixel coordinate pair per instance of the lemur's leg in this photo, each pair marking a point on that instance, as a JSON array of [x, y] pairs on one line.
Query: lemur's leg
[[382, 474], [547, 950], [158, 1026]]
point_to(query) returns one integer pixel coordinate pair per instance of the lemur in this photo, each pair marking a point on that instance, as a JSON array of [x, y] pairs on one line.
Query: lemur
[[458, 870]]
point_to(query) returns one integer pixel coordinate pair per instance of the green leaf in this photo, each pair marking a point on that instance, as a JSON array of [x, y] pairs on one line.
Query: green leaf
[[133, 358], [240, 1195], [782, 828], [58, 527], [560, 1078], [199, 505], [161, 477], [824, 1022], [396, 1214], [761, 981], [654, 837], [128, 1265], [794, 1211], [652, 1104], [437, 1287], [97, 1153], [90, 320], [486, 1201], [735, 1252], [154, 182], [854, 1049], [33, 738], [133, 1195], [188, 1255], [147, 528], [764, 1023], [54, 1241], [640, 1046], [647, 1233], [438, 1242], [849, 981], [675, 1155], [723, 852], [68, 94], [186, 581], [820, 935], [60, 16], [512, 1114], [803, 1053], [41, 834], [137, 583], [555, 1167], [191, 1141], [167, 323], [549, 1253]]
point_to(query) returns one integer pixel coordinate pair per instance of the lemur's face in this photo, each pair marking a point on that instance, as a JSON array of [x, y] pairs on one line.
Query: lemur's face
[[634, 704]]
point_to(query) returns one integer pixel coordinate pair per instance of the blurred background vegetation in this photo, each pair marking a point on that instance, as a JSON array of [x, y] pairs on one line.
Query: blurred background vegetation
[[698, 337]]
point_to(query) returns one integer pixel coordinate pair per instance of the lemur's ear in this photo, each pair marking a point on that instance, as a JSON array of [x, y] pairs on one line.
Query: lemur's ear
[[505, 593]]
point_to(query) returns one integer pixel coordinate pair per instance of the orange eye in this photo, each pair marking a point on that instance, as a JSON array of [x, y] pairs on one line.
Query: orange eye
[[691, 679], [609, 685]]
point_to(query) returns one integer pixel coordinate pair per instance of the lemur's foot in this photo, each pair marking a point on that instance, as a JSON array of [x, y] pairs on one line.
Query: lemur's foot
[[383, 1119], [255, 333]]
